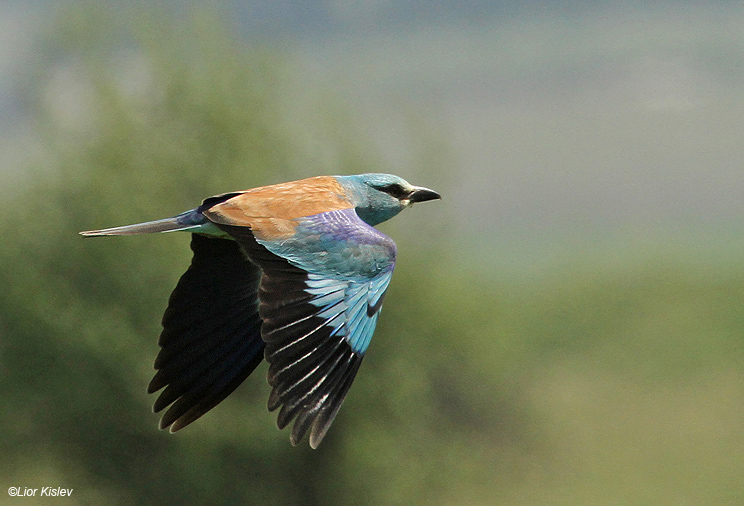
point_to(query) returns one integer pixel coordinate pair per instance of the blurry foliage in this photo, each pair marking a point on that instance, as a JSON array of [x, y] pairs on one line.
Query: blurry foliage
[[590, 388]]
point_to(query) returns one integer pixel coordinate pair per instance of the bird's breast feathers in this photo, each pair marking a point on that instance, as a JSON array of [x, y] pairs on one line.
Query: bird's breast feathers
[[271, 212]]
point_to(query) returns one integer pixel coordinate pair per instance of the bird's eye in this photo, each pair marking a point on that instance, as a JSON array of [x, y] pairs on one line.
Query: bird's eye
[[395, 190]]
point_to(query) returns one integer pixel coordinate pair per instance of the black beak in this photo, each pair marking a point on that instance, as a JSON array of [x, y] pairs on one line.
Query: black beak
[[420, 194]]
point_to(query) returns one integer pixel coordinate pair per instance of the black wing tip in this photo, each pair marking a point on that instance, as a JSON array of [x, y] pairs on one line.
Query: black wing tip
[[156, 383], [175, 425], [163, 425], [316, 417], [181, 414]]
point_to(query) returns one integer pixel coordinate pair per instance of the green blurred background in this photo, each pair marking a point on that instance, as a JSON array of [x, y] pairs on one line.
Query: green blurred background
[[564, 327]]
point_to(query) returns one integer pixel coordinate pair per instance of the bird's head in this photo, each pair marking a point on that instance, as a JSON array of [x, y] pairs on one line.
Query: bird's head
[[379, 197]]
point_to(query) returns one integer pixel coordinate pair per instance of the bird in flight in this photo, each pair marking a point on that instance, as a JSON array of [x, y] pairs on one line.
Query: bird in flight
[[294, 273]]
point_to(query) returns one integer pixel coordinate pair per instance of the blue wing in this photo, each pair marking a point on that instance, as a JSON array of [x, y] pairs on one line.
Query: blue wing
[[320, 295]]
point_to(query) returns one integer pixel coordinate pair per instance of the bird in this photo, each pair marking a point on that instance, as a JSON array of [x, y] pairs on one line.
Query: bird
[[294, 273]]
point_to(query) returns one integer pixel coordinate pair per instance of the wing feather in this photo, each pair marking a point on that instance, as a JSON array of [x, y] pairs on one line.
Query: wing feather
[[211, 337], [320, 295]]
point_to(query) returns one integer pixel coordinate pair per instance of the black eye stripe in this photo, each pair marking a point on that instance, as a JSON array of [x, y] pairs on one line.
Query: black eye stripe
[[395, 190]]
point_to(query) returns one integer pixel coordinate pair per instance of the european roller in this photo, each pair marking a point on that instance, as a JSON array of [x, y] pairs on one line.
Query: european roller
[[294, 273]]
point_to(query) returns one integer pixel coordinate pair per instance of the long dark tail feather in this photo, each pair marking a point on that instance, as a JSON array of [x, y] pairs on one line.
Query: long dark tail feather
[[184, 221]]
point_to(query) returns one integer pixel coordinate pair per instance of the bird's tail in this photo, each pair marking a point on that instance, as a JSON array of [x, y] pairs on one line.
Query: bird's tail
[[189, 221]]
